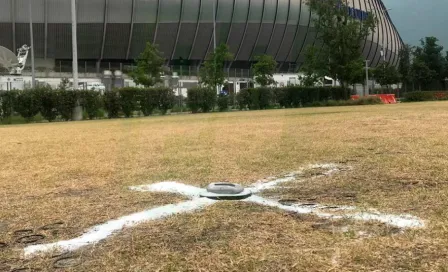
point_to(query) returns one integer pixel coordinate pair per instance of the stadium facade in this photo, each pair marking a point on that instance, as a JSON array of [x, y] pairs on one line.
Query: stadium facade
[[117, 30]]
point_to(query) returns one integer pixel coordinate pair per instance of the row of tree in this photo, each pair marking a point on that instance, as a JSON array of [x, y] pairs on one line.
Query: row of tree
[[425, 66], [150, 68], [337, 53]]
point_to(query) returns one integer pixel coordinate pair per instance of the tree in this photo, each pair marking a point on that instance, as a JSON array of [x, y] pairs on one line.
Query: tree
[[149, 66], [429, 62], [404, 65], [264, 70], [386, 75], [64, 84], [212, 73], [341, 34], [311, 70], [421, 73]]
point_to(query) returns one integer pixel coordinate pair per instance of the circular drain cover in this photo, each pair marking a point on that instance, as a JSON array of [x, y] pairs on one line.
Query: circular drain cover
[[226, 191]]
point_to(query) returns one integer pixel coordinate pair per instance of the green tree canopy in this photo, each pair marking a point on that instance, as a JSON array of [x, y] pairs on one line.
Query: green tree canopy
[[264, 70], [341, 35], [386, 75], [404, 65], [212, 73], [429, 64], [149, 66]]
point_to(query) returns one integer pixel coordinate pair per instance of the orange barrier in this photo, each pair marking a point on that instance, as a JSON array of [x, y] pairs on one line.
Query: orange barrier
[[386, 98]]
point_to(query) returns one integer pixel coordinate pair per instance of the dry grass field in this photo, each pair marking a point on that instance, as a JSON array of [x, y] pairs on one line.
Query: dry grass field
[[76, 175]]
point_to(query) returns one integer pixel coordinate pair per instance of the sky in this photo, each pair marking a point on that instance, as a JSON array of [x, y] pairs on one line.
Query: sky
[[416, 19]]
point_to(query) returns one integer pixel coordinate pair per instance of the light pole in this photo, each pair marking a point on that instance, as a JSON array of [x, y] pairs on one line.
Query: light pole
[[367, 78], [33, 73], [74, 45], [214, 39], [77, 111]]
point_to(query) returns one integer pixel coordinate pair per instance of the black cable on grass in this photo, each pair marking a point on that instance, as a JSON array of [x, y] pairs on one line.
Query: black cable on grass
[[22, 232], [66, 262], [52, 226], [29, 239]]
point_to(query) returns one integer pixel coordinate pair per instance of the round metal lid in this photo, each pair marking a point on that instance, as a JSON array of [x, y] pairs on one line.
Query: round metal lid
[[226, 191], [224, 188]]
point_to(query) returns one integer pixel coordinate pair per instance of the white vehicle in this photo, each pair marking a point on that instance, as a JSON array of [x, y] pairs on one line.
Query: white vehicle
[[95, 86]]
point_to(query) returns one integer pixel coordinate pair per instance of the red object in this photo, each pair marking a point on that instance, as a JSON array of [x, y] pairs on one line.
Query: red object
[[386, 98]]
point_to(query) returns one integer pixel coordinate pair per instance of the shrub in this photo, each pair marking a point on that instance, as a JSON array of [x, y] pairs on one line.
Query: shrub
[[28, 103], [194, 97], [209, 99], [425, 96], [128, 100], [48, 103], [148, 100], [265, 99], [65, 102], [369, 100], [166, 99], [296, 96], [223, 102], [7, 100], [112, 103], [91, 102], [243, 99], [201, 98]]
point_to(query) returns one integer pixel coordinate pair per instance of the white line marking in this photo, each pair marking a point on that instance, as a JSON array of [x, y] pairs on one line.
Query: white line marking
[[100, 232], [401, 221]]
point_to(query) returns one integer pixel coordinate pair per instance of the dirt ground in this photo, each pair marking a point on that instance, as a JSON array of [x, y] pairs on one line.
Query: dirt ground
[[59, 179]]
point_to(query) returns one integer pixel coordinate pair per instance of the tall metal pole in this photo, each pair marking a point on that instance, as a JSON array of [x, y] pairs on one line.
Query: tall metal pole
[[214, 25], [33, 73], [74, 46], [367, 77], [77, 110], [214, 39]]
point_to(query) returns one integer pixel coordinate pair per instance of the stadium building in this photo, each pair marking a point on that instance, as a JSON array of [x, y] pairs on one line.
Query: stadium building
[[111, 33]]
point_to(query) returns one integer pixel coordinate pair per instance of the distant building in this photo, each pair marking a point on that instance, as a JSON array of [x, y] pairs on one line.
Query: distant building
[[111, 33]]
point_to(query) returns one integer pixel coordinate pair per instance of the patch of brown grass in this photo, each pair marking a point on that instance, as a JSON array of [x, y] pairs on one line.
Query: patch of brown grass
[[78, 173]]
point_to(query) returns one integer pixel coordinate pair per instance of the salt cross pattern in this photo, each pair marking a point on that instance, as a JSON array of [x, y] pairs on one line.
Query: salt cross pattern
[[101, 232]]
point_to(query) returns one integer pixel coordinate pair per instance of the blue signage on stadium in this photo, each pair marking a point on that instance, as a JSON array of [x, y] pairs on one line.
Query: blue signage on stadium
[[358, 14]]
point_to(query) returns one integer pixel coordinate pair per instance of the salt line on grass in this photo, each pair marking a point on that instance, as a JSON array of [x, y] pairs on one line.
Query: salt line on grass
[[101, 232], [170, 187], [262, 185], [401, 221]]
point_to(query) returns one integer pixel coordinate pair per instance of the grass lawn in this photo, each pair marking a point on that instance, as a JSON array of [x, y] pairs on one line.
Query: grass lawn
[[77, 174]]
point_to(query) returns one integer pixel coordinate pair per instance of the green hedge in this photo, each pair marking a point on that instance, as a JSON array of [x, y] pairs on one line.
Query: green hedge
[[7, 101], [287, 97], [201, 99], [58, 104], [425, 96]]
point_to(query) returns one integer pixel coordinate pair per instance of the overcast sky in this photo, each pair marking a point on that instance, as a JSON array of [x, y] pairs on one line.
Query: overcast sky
[[416, 19]]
